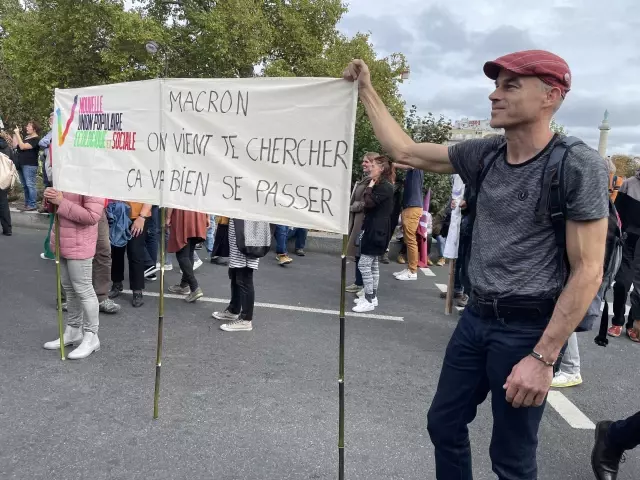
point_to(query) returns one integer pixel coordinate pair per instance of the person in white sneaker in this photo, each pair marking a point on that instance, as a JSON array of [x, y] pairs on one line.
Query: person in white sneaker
[[376, 229], [78, 216], [568, 374], [412, 203], [239, 313]]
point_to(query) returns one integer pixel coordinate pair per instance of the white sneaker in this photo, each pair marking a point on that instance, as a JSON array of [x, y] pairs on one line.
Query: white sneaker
[[397, 274], [360, 294], [167, 267], [197, 264], [71, 336], [225, 316], [364, 306], [44, 257], [237, 326], [563, 380], [407, 275], [90, 343], [360, 300]]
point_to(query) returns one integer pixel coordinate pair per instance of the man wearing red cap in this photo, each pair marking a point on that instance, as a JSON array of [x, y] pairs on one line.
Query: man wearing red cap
[[521, 310]]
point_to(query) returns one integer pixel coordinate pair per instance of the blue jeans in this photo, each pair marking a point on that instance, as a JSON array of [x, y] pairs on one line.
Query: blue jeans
[[441, 241], [27, 175], [211, 232], [625, 434], [460, 283], [282, 235], [300, 235], [479, 358], [151, 242]]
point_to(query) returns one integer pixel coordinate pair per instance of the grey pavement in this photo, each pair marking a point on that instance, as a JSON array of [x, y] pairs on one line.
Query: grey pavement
[[262, 404]]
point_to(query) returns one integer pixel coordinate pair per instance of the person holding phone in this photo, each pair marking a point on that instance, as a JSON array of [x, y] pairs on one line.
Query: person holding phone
[[27, 162]]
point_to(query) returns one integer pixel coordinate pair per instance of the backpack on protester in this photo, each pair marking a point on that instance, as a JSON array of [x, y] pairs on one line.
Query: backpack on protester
[[8, 172], [551, 203], [253, 239]]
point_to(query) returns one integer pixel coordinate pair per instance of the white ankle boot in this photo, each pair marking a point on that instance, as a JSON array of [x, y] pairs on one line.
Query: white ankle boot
[[90, 343], [71, 336]]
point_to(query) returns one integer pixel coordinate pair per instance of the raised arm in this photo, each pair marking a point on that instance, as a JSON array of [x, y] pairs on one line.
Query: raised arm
[[425, 156]]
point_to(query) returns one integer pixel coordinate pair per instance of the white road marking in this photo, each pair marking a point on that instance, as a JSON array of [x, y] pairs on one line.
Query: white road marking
[[428, 272], [284, 307], [567, 410], [443, 289]]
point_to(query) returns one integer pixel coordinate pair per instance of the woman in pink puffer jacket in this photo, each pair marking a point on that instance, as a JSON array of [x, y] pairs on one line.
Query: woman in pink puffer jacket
[[78, 216]]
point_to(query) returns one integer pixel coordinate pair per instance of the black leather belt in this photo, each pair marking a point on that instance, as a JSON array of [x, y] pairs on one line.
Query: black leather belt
[[513, 309]]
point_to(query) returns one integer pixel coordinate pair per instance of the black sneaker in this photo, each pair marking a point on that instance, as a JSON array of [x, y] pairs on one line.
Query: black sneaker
[[137, 300], [152, 278], [300, 252], [116, 290], [7, 233], [199, 246]]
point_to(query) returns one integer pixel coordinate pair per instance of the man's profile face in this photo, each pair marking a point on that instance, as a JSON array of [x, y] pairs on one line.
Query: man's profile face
[[517, 100]]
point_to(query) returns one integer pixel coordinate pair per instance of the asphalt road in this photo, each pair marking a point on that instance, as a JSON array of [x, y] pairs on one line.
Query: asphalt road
[[258, 405]]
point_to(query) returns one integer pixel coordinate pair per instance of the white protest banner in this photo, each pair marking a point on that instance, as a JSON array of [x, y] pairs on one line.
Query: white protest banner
[[270, 149], [453, 237]]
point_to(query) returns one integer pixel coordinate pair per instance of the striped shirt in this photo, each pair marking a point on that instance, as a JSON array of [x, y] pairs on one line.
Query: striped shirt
[[236, 258]]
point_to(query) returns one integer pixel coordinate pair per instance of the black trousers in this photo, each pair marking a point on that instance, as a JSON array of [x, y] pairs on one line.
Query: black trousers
[[185, 260], [624, 280], [625, 434], [5, 213], [243, 294], [136, 251]]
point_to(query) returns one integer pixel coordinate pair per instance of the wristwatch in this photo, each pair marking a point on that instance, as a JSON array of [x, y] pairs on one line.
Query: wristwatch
[[540, 358]]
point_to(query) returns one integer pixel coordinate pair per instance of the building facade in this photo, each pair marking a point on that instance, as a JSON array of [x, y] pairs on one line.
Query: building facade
[[465, 129]]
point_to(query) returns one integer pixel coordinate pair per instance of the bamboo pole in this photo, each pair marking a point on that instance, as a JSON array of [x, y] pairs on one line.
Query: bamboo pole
[[56, 233], [156, 395], [448, 307], [343, 285]]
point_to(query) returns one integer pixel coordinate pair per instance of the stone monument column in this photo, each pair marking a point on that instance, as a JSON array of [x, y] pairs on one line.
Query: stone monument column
[[604, 134]]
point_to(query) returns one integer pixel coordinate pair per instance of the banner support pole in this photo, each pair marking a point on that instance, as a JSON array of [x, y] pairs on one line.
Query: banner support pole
[[343, 285], [156, 395], [56, 233], [448, 308]]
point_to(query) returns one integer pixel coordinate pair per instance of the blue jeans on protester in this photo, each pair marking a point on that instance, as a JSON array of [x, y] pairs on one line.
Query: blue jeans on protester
[[460, 283], [151, 242], [282, 234], [211, 232], [27, 175], [479, 358], [300, 234]]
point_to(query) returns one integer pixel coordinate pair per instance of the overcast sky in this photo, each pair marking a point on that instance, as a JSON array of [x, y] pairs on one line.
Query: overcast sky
[[446, 44]]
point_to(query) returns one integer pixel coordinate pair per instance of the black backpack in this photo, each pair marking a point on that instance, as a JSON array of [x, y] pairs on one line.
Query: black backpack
[[551, 203]]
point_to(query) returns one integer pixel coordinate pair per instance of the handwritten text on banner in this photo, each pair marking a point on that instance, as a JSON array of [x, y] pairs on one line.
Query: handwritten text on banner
[[273, 149]]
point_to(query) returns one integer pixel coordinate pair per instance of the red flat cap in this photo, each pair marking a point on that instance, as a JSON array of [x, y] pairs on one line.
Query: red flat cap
[[548, 67]]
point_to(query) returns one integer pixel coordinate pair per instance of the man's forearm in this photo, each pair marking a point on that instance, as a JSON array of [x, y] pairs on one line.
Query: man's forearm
[[571, 308], [391, 136]]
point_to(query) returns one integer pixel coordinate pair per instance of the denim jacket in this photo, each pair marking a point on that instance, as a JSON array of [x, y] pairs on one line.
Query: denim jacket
[[119, 223]]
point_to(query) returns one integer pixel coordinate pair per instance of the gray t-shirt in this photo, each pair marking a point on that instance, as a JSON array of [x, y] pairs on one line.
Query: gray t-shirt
[[511, 255]]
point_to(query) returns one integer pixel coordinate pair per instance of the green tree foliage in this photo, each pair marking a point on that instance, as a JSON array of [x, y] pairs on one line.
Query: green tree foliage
[[431, 130], [48, 44], [557, 128], [626, 166]]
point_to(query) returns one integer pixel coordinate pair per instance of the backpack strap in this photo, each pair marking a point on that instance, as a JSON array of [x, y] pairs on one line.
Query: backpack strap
[[552, 200], [471, 196]]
